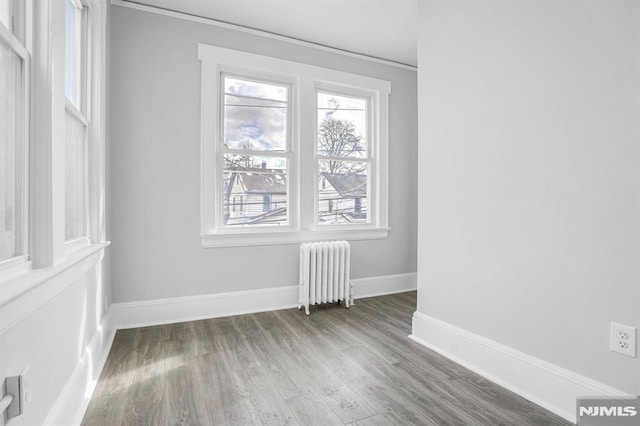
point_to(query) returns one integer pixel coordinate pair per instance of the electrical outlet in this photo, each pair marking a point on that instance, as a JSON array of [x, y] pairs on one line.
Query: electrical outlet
[[623, 339], [25, 386]]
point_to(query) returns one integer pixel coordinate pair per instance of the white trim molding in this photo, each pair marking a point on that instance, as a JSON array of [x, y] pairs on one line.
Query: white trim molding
[[26, 293], [74, 399], [253, 31], [291, 237], [190, 308], [382, 285], [305, 81], [548, 385]]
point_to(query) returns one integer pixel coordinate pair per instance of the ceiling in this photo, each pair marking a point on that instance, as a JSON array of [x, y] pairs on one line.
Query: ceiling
[[385, 29]]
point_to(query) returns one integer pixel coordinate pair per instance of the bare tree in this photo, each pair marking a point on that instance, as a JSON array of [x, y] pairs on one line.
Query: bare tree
[[237, 161], [337, 138]]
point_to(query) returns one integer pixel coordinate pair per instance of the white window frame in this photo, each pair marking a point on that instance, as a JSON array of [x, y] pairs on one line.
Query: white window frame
[[370, 160], [49, 256], [305, 80], [288, 153], [18, 39], [79, 113]]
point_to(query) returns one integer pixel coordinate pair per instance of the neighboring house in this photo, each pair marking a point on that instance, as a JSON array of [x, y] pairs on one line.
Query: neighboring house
[[256, 195], [342, 197]]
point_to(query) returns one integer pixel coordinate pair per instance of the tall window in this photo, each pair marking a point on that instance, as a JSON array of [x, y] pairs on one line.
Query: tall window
[[76, 187], [255, 152], [290, 152], [13, 135], [343, 159]]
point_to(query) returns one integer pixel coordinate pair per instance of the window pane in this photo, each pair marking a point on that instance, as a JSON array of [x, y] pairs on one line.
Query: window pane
[[342, 192], [76, 178], [255, 191], [10, 81], [255, 115], [71, 53], [342, 126]]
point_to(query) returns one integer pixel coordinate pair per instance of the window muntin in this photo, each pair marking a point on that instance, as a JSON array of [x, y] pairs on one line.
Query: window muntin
[[255, 153], [343, 159], [13, 142], [76, 124]]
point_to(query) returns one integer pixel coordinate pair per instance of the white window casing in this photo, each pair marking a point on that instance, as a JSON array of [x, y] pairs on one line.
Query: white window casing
[[302, 179], [49, 251]]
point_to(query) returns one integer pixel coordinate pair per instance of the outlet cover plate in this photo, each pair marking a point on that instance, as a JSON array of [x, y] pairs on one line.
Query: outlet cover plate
[[623, 339]]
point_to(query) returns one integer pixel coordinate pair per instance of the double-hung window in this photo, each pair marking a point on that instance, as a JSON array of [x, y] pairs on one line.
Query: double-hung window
[[255, 153], [76, 123], [14, 147], [290, 152], [343, 160]]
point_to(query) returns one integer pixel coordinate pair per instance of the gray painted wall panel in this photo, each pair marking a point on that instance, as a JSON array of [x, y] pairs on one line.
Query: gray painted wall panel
[[155, 165], [529, 185]]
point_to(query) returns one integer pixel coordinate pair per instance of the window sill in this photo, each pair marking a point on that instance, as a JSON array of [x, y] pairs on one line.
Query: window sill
[[74, 246], [291, 237], [17, 286]]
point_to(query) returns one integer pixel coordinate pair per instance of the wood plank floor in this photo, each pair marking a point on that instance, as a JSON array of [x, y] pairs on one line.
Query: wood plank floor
[[335, 367]]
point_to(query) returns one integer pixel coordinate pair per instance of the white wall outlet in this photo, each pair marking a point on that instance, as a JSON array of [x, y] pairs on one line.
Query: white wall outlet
[[623, 339], [25, 386]]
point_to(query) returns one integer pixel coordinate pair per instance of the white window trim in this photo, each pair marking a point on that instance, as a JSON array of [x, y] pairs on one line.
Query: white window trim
[[48, 253], [307, 79], [79, 113], [92, 115]]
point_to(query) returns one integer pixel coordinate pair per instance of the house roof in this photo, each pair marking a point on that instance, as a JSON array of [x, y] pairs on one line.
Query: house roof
[[348, 185], [263, 183]]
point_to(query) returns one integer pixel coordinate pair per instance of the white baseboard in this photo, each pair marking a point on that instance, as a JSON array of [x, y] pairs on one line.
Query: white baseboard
[[388, 284], [190, 308], [548, 385], [72, 403]]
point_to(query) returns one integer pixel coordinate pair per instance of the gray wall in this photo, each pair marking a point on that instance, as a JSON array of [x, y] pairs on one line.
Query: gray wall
[[155, 165], [529, 211]]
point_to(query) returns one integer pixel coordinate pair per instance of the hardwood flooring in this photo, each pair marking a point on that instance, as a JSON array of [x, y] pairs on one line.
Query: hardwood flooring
[[335, 367]]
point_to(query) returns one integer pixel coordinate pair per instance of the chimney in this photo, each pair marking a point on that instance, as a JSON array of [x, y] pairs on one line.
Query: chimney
[[264, 165]]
